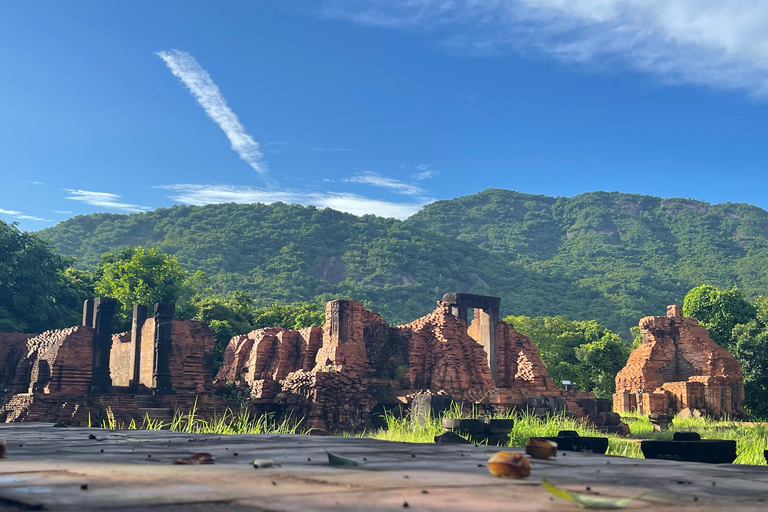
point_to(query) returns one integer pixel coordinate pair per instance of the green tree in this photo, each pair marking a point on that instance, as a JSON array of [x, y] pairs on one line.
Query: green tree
[[600, 361], [585, 352], [140, 276], [38, 291], [718, 310], [750, 346]]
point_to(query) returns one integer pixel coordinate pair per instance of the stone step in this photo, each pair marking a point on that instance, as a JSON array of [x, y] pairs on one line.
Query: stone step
[[156, 413]]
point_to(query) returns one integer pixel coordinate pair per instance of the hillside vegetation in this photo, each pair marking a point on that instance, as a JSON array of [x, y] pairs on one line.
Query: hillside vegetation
[[606, 256]]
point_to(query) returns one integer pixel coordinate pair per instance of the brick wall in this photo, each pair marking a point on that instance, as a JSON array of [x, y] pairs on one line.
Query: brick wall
[[146, 365], [679, 359], [334, 374], [443, 356], [120, 359], [191, 361]]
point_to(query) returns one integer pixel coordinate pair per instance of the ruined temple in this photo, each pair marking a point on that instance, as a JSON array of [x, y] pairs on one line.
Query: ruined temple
[[335, 375], [83, 372], [678, 366]]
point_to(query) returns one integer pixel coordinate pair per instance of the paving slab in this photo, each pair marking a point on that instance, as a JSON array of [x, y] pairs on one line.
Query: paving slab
[[62, 469]]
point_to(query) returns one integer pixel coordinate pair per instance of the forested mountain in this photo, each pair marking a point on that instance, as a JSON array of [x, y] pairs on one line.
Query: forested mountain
[[606, 256]]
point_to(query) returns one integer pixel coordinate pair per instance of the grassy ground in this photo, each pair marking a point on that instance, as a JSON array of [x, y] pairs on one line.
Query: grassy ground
[[229, 422], [751, 439]]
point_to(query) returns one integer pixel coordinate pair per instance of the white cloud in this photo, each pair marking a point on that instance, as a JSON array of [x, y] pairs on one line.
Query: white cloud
[[35, 182], [717, 43], [66, 212], [19, 215], [105, 200], [350, 203], [425, 172], [377, 180], [207, 94]]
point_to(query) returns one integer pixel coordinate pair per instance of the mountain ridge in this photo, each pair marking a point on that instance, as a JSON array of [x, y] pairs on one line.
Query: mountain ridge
[[610, 256]]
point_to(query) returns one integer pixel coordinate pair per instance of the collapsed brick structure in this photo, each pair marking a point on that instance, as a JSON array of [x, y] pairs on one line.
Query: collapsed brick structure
[[336, 375], [76, 374], [678, 366]]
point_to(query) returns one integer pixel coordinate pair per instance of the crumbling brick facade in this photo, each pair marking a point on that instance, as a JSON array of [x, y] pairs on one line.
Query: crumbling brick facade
[[76, 374], [333, 376], [679, 366]]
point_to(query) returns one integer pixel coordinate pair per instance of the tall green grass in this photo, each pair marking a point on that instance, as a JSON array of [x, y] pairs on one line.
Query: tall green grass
[[228, 423], [751, 440], [526, 426]]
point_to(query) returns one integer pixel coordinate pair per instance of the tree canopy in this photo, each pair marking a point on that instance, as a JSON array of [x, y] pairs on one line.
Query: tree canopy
[[584, 352], [741, 327], [38, 289], [140, 276], [718, 310]]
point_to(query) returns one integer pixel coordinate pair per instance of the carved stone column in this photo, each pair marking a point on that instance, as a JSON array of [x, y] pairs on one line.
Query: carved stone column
[[88, 313], [488, 319]]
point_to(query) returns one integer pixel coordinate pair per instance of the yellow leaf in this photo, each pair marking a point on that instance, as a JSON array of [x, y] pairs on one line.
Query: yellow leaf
[[588, 501]]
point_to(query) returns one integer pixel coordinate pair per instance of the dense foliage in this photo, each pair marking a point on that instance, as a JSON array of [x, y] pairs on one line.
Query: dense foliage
[[741, 327], [38, 290], [584, 352], [719, 311], [139, 276], [609, 256]]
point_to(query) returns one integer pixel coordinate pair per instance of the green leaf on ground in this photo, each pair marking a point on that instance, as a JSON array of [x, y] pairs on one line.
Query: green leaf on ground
[[588, 501], [338, 460]]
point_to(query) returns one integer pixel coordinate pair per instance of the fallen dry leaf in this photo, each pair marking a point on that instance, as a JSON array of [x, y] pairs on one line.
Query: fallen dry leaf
[[204, 458], [508, 464], [541, 448], [186, 461], [198, 458]]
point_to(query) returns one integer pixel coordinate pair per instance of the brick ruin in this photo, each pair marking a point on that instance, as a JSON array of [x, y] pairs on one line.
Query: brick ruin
[[678, 366], [84, 372], [335, 376]]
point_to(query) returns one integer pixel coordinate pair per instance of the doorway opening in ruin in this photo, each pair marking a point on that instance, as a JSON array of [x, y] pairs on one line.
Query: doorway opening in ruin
[[486, 309]]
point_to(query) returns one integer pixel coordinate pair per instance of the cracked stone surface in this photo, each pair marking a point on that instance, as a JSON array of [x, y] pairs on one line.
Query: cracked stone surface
[[62, 469]]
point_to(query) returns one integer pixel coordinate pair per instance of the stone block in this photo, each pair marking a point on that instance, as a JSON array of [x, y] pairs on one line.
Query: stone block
[[428, 405]]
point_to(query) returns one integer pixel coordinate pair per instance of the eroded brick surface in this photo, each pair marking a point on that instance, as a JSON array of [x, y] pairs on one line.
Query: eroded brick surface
[[678, 366], [51, 375], [333, 376]]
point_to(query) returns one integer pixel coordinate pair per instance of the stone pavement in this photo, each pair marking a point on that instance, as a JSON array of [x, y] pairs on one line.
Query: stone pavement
[[62, 469]]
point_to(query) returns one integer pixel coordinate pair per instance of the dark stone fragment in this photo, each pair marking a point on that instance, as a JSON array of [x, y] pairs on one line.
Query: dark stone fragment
[[500, 426], [571, 443], [465, 426], [711, 451], [686, 436], [450, 438]]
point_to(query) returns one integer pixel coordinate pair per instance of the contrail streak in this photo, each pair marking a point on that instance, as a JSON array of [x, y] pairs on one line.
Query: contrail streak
[[208, 95]]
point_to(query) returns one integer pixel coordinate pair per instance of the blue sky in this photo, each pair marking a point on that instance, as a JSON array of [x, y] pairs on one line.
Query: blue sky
[[377, 106]]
